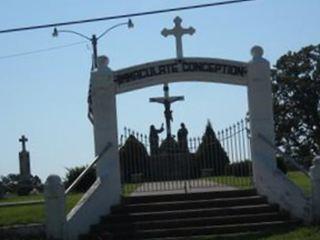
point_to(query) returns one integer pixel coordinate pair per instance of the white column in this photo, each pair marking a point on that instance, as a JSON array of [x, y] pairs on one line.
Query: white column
[[105, 123], [106, 191], [261, 112], [54, 208], [315, 181]]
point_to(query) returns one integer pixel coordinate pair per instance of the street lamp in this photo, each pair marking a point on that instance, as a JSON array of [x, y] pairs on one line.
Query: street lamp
[[93, 39]]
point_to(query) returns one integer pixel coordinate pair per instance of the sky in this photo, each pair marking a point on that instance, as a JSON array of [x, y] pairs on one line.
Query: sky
[[43, 95]]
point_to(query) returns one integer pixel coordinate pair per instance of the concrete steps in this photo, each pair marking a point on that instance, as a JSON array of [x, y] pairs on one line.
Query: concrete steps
[[189, 215]]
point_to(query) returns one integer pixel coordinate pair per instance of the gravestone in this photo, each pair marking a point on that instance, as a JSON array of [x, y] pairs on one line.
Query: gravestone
[[25, 183], [2, 190], [24, 160]]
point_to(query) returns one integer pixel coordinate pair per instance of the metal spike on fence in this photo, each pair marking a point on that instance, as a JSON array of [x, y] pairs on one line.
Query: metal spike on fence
[[146, 140], [125, 132], [230, 131], [190, 145], [121, 140]]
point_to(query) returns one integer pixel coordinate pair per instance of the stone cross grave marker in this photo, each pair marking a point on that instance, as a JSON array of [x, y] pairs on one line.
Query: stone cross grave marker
[[23, 141], [24, 159]]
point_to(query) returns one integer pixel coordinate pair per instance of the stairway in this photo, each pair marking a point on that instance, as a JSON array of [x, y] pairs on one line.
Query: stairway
[[193, 214]]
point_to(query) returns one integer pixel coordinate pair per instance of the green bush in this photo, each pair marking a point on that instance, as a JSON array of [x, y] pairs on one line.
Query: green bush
[[240, 169], [210, 153], [282, 165], [85, 183]]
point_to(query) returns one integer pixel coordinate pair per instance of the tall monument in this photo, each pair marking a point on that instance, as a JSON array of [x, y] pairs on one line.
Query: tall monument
[[24, 161]]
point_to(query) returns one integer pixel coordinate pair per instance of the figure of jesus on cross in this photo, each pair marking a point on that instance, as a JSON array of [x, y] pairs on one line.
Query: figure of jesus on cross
[[166, 100]]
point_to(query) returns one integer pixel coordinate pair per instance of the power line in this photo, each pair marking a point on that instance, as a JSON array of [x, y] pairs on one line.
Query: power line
[[41, 50], [123, 16]]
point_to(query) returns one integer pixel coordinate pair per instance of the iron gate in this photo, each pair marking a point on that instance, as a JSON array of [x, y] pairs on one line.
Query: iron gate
[[211, 162]]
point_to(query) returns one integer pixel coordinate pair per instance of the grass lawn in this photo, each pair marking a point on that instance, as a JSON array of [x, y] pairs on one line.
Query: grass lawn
[[30, 214], [297, 177], [240, 182], [302, 233], [129, 188], [16, 198], [301, 180]]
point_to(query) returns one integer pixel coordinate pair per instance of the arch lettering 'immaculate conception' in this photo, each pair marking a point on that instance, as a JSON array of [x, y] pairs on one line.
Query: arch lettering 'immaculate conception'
[[177, 70]]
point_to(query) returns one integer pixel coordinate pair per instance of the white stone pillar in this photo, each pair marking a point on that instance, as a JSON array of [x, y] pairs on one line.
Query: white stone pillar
[[106, 191], [315, 182], [54, 208], [261, 112], [105, 123]]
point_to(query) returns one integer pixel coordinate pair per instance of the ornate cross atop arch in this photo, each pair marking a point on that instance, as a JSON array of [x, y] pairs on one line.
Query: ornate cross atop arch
[[178, 31]]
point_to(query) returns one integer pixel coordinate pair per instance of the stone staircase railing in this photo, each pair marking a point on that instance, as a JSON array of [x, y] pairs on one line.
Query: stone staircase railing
[[56, 222], [281, 190], [285, 156], [86, 170]]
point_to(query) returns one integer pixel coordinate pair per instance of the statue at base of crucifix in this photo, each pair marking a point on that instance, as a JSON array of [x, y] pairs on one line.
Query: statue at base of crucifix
[[154, 139]]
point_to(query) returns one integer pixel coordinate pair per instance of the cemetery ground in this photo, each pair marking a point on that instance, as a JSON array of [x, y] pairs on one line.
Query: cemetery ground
[[35, 213], [14, 215]]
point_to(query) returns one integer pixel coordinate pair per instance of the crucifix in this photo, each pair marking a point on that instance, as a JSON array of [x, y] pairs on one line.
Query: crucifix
[[23, 140], [166, 100]]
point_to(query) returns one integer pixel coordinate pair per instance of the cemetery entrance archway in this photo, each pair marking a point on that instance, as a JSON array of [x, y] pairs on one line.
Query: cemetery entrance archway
[[142, 173]]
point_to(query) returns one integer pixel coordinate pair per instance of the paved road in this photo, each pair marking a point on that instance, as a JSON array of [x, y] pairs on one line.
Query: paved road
[[173, 187]]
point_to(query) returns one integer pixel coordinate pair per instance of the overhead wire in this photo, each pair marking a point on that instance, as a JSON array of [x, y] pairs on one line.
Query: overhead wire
[[131, 15], [103, 19], [41, 50]]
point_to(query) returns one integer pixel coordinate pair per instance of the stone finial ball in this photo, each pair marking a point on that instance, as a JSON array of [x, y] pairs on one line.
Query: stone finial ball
[[103, 61], [257, 51], [53, 180]]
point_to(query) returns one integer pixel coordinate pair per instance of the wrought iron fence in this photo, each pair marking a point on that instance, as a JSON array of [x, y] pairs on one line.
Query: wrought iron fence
[[212, 162]]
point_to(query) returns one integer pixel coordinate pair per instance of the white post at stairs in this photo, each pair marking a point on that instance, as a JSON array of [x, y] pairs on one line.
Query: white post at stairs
[[54, 208], [105, 123], [261, 112], [268, 179], [106, 191]]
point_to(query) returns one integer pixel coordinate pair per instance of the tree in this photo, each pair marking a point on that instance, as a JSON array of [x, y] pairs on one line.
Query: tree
[[296, 90], [210, 153], [133, 159], [85, 183]]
